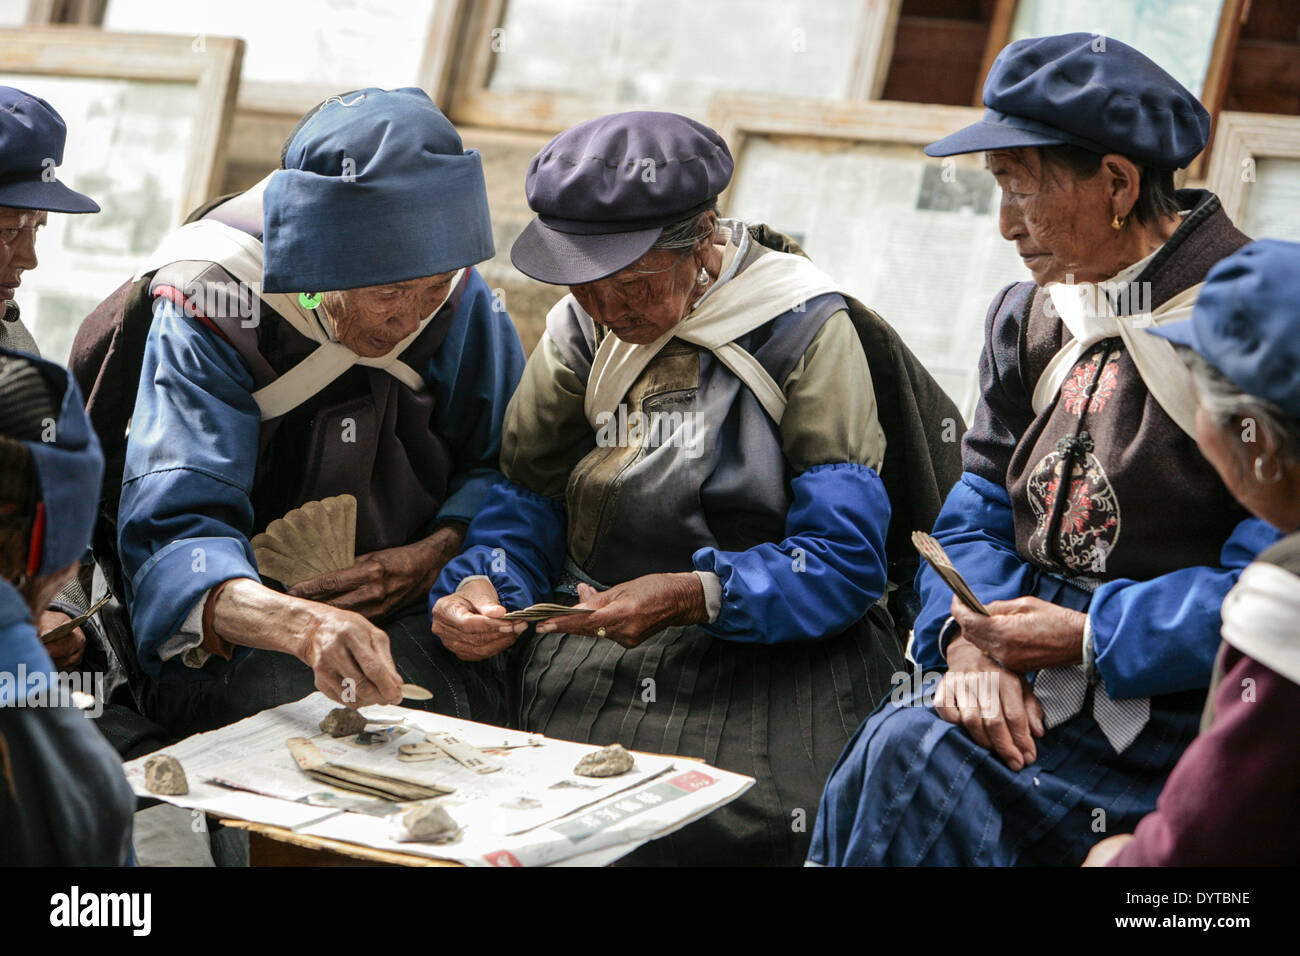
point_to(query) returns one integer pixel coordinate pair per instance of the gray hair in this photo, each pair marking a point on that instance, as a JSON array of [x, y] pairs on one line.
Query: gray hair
[[685, 234], [1226, 404]]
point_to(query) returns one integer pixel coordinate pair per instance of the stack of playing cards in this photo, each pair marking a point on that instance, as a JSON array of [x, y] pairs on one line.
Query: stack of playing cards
[[540, 612], [932, 552]]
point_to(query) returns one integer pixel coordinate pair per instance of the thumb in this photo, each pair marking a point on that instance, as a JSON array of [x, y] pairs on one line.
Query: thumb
[[586, 592], [484, 597]]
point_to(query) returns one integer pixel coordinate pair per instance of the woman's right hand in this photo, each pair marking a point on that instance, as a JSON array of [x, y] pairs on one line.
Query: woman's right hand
[[994, 704], [349, 655], [469, 622]]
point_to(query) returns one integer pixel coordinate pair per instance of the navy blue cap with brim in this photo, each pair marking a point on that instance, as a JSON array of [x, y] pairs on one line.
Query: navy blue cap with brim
[[1085, 90], [1246, 322], [376, 188], [603, 191], [32, 136]]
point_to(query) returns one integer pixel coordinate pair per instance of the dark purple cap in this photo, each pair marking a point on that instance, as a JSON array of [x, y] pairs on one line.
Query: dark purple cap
[[31, 145], [604, 189]]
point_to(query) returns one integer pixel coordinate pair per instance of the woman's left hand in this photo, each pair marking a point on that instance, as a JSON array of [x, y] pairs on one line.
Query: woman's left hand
[[1026, 634], [385, 581], [630, 612]]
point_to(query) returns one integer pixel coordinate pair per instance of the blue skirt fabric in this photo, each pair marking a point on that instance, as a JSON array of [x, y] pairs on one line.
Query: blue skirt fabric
[[912, 789]]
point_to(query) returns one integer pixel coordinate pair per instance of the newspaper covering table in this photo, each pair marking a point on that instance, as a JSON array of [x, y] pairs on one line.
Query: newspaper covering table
[[532, 811]]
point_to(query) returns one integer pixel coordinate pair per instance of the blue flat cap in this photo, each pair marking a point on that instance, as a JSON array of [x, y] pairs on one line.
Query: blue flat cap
[[604, 189], [1246, 322], [32, 135], [1088, 90], [376, 187]]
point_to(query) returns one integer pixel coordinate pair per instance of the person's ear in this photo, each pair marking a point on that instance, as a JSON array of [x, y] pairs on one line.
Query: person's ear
[[1123, 181]]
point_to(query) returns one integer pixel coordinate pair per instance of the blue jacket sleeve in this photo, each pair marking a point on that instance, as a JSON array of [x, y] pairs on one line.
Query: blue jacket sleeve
[[185, 513], [977, 531], [517, 540], [1160, 636], [825, 575], [473, 375]]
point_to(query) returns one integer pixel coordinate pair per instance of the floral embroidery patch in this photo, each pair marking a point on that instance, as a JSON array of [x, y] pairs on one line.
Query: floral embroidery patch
[[1090, 520], [1074, 392]]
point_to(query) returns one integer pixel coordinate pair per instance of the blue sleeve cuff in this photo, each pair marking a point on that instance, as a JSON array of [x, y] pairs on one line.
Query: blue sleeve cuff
[[825, 575], [517, 541], [166, 587], [1160, 636]]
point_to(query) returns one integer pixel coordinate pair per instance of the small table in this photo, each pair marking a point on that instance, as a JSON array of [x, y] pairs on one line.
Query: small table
[[276, 846]]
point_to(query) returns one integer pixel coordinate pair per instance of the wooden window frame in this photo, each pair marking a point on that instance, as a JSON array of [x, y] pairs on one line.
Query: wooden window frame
[[1245, 138], [77, 52], [473, 103], [433, 75]]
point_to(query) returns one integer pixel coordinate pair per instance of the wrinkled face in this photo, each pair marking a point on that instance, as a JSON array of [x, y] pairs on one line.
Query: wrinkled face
[[372, 320], [1060, 225], [17, 246], [642, 302]]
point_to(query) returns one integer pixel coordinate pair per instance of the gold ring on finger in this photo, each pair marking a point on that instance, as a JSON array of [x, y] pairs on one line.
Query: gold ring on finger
[[600, 632]]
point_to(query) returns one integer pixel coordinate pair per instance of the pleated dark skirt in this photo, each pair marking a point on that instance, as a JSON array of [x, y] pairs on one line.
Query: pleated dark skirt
[[779, 713]]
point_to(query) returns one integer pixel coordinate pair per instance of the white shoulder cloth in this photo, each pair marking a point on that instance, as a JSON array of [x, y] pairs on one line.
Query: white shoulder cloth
[[1261, 617], [1086, 310], [774, 283], [241, 255]]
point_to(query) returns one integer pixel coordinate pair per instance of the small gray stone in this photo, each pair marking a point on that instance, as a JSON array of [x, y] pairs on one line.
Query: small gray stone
[[607, 762], [429, 822], [343, 722], [164, 775]]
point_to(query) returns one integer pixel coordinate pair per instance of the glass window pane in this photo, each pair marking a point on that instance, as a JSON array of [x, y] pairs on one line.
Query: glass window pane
[[675, 52], [1177, 34]]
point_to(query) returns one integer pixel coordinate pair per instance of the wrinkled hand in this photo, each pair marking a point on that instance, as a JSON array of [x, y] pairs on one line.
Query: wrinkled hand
[[468, 622], [1026, 634], [993, 703], [67, 651], [1105, 851], [350, 657], [381, 582], [634, 610]]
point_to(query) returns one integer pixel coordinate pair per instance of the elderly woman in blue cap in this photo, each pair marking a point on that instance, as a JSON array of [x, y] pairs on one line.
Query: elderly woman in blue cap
[[320, 335], [1086, 519], [1231, 799], [32, 136], [695, 455], [64, 800]]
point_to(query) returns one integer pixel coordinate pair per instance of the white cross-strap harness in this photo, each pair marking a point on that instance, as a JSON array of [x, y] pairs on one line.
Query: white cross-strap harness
[[1086, 310], [241, 255], [774, 283]]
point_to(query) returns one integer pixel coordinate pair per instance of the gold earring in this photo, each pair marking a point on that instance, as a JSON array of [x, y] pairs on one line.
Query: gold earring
[[1118, 222], [1259, 472]]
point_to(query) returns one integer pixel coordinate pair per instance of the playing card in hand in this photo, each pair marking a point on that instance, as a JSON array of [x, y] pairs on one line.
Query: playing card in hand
[[934, 553], [539, 612]]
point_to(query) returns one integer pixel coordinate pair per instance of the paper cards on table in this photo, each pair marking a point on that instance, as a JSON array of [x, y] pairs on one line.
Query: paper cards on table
[[532, 811]]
